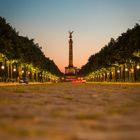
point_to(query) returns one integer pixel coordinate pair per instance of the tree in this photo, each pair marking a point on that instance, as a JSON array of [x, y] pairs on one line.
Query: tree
[[125, 49], [23, 49]]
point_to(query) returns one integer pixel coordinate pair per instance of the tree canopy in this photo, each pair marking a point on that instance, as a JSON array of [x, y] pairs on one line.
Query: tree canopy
[[124, 49], [23, 49]]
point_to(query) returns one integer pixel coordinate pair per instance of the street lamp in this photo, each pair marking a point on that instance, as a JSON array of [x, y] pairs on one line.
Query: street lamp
[[14, 70], [118, 71], [22, 71], [126, 69], [2, 67], [138, 67]]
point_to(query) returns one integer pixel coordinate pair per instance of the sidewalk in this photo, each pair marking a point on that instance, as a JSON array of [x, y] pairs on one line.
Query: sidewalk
[[18, 84], [115, 83]]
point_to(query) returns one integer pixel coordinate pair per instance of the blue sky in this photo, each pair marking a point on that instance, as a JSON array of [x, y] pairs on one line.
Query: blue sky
[[48, 21]]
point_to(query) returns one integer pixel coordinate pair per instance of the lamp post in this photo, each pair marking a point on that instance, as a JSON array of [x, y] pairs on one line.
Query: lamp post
[[15, 73], [14, 70], [138, 67], [22, 71], [138, 72], [2, 67], [3, 74]]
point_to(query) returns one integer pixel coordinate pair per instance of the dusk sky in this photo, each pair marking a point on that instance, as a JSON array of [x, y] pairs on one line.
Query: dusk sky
[[94, 22]]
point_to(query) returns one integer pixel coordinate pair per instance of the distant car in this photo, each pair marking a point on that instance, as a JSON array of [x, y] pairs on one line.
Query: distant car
[[83, 81], [79, 81], [24, 80]]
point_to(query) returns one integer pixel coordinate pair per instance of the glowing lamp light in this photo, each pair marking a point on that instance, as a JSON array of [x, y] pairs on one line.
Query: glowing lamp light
[[126, 69], [138, 67], [14, 69], [118, 71], [2, 67], [22, 71]]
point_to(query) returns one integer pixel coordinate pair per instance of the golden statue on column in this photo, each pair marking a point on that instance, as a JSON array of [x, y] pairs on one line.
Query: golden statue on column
[[70, 70]]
